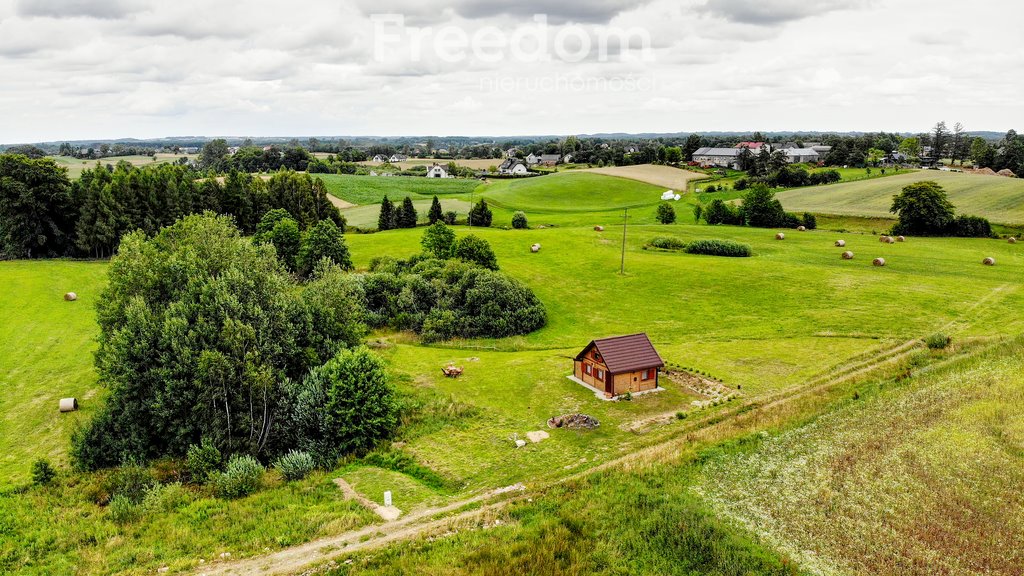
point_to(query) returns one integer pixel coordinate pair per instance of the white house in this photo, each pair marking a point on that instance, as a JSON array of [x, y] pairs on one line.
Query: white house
[[801, 155], [380, 159], [437, 171], [722, 157], [532, 160], [513, 167], [398, 158]]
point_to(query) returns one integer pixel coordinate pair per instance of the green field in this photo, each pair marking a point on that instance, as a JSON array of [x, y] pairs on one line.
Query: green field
[[765, 325], [372, 189], [76, 166], [999, 199]]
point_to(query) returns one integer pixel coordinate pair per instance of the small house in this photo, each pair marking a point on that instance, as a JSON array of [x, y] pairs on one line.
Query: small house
[[619, 365], [437, 171], [380, 159], [398, 158], [513, 167], [549, 159]]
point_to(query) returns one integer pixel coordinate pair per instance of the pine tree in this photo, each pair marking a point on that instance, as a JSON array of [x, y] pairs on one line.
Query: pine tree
[[436, 214], [480, 215], [407, 214], [386, 220]]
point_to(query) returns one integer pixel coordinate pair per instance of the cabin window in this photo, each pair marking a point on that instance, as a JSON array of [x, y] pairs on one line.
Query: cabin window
[[600, 374], [588, 369], [648, 374]]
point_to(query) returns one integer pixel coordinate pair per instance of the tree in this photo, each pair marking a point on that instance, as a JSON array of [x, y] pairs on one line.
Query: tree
[[477, 251], [959, 145], [361, 408], [266, 224], [981, 152], [875, 156], [923, 209], [407, 216], [388, 219], [200, 330], [286, 240], [480, 215], [438, 241], [698, 211], [693, 143], [436, 214], [37, 211], [213, 153], [666, 213], [323, 240], [911, 147], [940, 140], [519, 221], [761, 209]]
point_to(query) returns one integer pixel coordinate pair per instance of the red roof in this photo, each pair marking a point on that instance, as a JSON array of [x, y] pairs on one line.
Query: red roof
[[751, 145], [626, 353]]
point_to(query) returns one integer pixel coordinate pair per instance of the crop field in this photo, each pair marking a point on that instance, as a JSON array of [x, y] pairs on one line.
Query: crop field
[[666, 176], [76, 166], [936, 493], [761, 325], [999, 199]]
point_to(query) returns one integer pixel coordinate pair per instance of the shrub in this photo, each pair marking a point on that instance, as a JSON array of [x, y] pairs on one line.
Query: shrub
[[718, 212], [727, 248], [241, 478], [438, 240], [440, 325], [42, 472], [971, 227], [450, 217], [123, 511], [938, 341], [810, 221], [202, 461], [519, 221], [165, 497], [480, 215], [681, 415], [130, 481], [477, 251], [666, 243], [741, 184], [295, 465], [666, 213]]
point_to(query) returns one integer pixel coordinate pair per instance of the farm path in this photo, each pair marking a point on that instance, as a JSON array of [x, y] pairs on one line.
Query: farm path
[[297, 558]]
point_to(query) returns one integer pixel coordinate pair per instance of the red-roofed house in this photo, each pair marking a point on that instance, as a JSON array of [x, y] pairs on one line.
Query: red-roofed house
[[754, 146], [619, 365]]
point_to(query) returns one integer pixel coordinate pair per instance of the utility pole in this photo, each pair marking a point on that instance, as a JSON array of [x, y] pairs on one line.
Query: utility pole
[[622, 264]]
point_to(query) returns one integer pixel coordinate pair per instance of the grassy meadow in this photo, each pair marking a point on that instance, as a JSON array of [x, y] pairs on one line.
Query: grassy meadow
[[997, 198], [765, 326], [76, 166]]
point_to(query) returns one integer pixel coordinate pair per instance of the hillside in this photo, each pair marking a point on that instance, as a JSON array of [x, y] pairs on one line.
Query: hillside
[[999, 199]]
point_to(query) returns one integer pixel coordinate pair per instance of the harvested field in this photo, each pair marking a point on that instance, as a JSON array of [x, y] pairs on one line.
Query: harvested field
[[667, 176]]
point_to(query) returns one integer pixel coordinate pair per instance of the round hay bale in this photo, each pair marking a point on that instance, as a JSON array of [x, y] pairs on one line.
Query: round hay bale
[[68, 404], [535, 248], [780, 236], [801, 229], [883, 239], [901, 239], [598, 228], [879, 262], [989, 261], [890, 240], [1012, 240], [840, 243], [847, 255], [70, 297]]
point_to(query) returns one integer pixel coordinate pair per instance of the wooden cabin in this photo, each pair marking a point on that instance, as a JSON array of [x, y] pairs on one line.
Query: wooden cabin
[[620, 364]]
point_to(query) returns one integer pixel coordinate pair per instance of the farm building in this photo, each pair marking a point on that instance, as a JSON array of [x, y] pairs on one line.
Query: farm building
[[619, 365], [543, 159], [754, 146], [800, 155], [513, 167], [437, 171], [723, 157]]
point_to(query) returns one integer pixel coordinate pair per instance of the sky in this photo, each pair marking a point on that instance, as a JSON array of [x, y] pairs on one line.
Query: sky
[[84, 69]]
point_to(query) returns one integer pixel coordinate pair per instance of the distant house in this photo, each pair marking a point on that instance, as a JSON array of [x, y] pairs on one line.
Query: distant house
[[398, 158], [820, 149], [567, 159], [380, 159], [532, 160], [721, 157], [512, 153], [619, 365], [754, 146], [549, 159], [801, 155], [513, 167], [437, 171]]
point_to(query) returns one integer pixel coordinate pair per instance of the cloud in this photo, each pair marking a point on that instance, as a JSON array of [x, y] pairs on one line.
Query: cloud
[[584, 11], [105, 10], [775, 12]]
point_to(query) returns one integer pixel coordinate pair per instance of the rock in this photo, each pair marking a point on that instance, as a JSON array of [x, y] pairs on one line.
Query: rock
[[537, 436], [574, 422]]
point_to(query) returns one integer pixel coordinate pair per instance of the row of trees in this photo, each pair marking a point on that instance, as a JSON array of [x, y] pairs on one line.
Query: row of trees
[[43, 214], [393, 217], [760, 209]]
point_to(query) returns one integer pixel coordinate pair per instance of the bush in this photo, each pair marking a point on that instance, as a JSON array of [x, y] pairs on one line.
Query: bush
[[727, 248], [718, 212], [450, 217], [971, 227], [295, 465], [519, 221], [741, 184], [438, 241], [165, 497], [241, 478], [666, 213], [123, 511], [681, 415], [130, 481], [480, 215], [202, 461], [666, 243], [477, 251], [42, 472], [938, 341], [810, 221]]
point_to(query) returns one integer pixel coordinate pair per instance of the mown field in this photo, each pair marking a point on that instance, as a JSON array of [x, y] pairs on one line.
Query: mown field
[[474, 163], [362, 190], [999, 199], [76, 166], [762, 325]]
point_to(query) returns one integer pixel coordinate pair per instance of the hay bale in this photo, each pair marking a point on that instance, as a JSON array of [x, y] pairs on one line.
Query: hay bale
[[1012, 240], [890, 240], [535, 248], [989, 261], [598, 228], [883, 238], [70, 297], [901, 239], [1007, 173], [879, 262], [68, 404], [840, 243], [780, 236], [847, 255], [801, 229]]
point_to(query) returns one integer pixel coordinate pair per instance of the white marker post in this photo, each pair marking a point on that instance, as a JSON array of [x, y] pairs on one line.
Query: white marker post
[[387, 498]]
